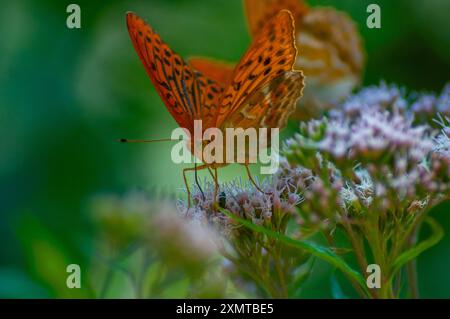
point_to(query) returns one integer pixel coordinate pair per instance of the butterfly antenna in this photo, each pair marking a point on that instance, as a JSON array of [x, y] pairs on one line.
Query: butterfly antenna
[[125, 140], [197, 182]]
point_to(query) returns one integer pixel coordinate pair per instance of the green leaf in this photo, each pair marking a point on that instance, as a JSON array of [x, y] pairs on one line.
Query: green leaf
[[48, 258], [336, 289], [318, 251], [14, 283], [303, 274], [436, 235]]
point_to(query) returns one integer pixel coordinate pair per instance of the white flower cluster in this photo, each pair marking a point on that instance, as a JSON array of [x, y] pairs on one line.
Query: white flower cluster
[[372, 152]]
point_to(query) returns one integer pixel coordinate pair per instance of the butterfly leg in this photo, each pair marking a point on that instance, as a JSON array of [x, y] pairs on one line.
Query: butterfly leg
[[211, 172], [195, 168], [250, 177], [214, 177], [216, 187], [197, 182]]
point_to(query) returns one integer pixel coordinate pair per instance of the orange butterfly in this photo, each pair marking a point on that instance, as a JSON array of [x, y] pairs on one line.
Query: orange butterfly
[[260, 92], [332, 57]]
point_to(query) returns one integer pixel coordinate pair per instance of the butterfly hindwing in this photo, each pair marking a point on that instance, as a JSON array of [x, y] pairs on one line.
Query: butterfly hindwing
[[218, 71], [270, 105], [187, 94]]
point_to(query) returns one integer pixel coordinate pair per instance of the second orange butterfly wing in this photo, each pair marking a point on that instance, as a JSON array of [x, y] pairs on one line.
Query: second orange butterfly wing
[[187, 94], [258, 12]]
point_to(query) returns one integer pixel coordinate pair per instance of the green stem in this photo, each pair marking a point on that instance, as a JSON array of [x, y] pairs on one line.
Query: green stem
[[412, 279], [282, 284], [358, 249], [411, 267], [106, 282]]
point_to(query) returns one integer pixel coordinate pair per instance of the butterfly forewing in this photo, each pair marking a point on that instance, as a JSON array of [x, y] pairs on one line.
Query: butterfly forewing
[[271, 54], [187, 94]]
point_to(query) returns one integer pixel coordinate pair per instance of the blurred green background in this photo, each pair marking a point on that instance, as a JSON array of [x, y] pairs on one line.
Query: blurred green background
[[67, 94]]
